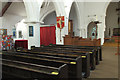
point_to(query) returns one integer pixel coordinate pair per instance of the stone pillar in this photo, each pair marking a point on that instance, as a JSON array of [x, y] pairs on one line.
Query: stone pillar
[[101, 28], [35, 39]]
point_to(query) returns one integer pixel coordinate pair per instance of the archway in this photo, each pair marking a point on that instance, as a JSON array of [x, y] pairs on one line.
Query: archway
[[48, 28], [111, 20], [50, 18], [73, 16], [91, 30]]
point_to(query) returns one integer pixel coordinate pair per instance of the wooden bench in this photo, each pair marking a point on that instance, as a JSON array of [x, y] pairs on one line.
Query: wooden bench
[[53, 50], [97, 48], [73, 40], [85, 58], [79, 41], [19, 69], [74, 63]]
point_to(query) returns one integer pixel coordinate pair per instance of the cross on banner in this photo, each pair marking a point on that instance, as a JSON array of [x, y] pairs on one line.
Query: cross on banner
[[60, 24]]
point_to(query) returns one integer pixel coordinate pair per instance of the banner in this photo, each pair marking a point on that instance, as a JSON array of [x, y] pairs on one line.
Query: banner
[[60, 22]]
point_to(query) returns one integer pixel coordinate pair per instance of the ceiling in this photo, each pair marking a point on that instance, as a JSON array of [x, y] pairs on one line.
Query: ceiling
[[17, 8], [3, 4]]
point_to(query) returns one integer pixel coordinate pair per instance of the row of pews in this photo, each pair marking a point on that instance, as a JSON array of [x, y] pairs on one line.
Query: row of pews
[[56, 62]]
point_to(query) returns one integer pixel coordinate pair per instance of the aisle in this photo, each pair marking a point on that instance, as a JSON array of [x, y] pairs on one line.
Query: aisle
[[108, 68]]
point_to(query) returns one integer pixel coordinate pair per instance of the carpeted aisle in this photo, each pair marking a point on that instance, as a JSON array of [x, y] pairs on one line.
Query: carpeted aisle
[[108, 68]]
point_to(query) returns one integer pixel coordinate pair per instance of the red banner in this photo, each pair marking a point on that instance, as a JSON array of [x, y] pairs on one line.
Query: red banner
[[60, 22]]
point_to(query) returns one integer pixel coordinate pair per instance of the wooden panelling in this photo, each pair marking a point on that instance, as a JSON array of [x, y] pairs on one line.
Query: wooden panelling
[[79, 41]]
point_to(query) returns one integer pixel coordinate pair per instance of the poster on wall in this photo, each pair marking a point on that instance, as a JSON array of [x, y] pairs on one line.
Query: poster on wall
[[30, 31], [20, 34], [3, 31], [7, 42], [14, 32]]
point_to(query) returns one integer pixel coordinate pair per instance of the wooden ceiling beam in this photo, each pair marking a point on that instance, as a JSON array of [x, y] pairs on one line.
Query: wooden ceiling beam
[[5, 8]]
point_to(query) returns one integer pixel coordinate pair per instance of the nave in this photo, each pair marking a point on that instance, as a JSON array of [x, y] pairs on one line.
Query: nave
[[75, 39]]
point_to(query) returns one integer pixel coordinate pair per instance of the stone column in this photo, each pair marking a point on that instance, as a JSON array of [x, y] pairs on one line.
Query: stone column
[[35, 39]]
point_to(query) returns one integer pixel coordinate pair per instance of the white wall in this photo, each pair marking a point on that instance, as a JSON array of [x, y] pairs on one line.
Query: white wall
[[96, 8], [9, 21], [14, 14], [21, 26]]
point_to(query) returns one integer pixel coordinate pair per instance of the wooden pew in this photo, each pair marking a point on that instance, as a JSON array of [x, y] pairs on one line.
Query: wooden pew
[[97, 48], [85, 58], [18, 69], [93, 54], [79, 41], [74, 64], [75, 40], [53, 50]]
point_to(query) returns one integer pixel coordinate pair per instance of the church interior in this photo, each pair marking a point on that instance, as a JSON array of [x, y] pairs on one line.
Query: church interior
[[59, 39]]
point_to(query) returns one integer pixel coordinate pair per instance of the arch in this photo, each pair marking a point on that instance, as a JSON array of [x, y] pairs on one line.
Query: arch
[[74, 13], [48, 12], [106, 6], [111, 18], [107, 3], [52, 16], [91, 30], [104, 16], [58, 7], [33, 16]]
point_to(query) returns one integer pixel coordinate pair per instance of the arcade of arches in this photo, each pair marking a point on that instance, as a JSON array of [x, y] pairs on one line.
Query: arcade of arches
[[75, 22]]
